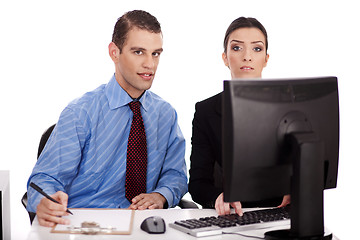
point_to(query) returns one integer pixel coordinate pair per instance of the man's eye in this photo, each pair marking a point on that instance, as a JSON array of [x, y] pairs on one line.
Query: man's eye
[[138, 52], [156, 54]]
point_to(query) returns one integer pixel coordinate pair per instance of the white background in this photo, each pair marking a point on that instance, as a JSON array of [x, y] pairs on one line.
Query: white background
[[54, 51]]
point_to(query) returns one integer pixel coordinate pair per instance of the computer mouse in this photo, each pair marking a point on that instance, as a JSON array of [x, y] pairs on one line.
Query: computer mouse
[[153, 224]]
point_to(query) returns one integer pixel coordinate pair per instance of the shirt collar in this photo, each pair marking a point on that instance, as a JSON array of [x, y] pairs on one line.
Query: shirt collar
[[118, 97]]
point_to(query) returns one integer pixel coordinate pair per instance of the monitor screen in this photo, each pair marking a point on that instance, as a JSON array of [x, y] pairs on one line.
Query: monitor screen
[[270, 126]]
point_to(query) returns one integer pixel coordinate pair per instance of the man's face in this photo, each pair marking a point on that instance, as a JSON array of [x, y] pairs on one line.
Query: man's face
[[136, 66]]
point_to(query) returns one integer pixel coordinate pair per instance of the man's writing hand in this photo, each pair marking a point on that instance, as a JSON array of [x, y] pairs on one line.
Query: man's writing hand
[[49, 213]]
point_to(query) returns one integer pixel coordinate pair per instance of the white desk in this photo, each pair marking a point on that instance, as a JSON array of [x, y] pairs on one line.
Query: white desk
[[169, 215]]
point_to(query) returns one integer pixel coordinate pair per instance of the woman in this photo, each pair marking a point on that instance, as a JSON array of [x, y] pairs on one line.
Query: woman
[[245, 54]]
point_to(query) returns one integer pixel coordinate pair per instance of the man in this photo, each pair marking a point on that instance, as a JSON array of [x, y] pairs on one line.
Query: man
[[86, 160]]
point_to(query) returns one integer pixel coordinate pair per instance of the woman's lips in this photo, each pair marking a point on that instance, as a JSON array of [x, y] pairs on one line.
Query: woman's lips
[[246, 68]]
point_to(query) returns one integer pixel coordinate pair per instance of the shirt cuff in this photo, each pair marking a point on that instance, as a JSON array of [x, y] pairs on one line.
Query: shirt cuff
[[167, 195], [33, 196]]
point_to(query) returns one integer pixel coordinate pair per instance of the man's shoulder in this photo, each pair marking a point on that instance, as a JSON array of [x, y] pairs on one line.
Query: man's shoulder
[[89, 98], [157, 101]]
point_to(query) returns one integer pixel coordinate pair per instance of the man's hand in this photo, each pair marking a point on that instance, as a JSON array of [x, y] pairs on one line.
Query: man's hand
[[49, 213], [223, 208], [148, 201]]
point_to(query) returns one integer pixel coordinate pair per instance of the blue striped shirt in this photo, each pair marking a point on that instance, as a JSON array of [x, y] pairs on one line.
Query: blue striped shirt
[[85, 155]]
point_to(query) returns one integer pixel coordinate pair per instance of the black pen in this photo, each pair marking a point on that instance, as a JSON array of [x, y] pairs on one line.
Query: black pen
[[38, 189]]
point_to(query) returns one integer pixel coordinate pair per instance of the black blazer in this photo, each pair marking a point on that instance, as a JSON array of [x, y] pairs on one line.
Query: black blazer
[[205, 182]]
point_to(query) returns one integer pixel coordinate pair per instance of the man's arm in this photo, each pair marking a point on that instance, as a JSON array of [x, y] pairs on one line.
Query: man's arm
[[57, 165], [172, 182], [171, 174]]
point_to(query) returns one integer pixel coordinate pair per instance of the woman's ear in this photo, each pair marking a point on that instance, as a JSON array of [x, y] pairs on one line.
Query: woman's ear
[[224, 57], [266, 59]]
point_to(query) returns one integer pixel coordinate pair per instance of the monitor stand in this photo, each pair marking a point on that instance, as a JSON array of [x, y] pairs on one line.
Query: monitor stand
[[307, 185]]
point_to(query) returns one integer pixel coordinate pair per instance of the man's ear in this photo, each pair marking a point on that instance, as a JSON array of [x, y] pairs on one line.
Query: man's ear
[[114, 52], [224, 57]]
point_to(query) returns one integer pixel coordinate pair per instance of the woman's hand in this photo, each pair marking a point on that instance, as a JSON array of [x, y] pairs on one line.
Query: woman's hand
[[286, 201], [223, 208]]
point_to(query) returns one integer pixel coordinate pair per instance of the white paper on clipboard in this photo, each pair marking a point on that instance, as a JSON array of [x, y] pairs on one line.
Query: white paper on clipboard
[[120, 220]]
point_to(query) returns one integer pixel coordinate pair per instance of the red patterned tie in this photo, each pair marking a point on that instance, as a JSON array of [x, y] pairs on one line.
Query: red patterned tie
[[136, 163]]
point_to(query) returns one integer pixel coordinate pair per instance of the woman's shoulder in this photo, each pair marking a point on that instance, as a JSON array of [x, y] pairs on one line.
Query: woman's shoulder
[[210, 102], [209, 107]]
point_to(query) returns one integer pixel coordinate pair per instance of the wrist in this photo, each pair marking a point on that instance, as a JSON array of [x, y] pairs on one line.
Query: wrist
[[161, 197]]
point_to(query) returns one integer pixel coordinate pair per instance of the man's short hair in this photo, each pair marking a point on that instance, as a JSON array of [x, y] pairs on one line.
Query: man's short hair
[[137, 18]]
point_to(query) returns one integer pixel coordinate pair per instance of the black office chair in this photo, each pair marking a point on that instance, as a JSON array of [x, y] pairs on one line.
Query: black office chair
[[182, 204]]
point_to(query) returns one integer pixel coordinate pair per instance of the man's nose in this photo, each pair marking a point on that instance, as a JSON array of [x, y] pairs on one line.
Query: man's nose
[[149, 62]]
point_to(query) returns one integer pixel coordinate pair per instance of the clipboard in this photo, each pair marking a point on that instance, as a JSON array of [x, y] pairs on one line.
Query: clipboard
[[91, 221]]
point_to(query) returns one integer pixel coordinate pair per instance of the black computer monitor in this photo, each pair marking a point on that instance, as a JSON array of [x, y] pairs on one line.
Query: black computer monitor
[[281, 136]]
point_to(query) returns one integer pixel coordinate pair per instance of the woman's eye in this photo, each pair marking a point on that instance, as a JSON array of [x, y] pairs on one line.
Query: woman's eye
[[237, 48], [257, 49]]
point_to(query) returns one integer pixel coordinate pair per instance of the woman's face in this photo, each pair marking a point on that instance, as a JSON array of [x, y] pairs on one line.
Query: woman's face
[[246, 53]]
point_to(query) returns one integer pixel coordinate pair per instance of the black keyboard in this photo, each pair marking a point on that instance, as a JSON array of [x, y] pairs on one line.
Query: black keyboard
[[250, 220]]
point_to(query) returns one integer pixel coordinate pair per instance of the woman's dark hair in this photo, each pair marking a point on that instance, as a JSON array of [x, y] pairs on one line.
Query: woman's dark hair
[[243, 22], [137, 18]]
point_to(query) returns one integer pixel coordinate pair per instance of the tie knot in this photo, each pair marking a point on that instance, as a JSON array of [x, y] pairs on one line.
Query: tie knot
[[135, 106]]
